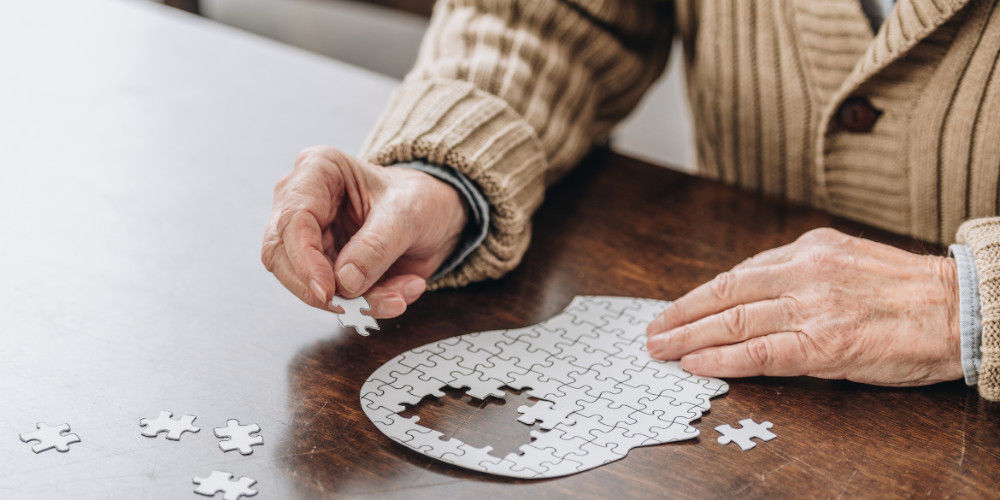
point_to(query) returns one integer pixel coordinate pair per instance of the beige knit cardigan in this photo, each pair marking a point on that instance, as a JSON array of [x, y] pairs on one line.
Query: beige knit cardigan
[[514, 92]]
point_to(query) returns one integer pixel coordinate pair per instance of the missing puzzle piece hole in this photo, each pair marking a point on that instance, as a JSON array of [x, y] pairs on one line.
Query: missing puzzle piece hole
[[477, 422]]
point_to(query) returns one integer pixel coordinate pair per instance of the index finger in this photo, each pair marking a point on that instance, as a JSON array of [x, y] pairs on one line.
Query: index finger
[[303, 241], [729, 289], [305, 202]]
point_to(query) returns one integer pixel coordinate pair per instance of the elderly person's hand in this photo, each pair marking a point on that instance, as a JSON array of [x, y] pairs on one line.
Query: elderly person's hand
[[828, 305], [342, 226]]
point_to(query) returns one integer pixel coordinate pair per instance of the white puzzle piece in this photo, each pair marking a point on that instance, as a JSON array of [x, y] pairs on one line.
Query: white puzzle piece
[[744, 435], [163, 423], [600, 392], [49, 437], [218, 481], [352, 317], [241, 437]]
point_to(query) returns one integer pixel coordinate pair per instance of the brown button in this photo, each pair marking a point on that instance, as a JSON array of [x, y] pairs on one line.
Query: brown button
[[857, 114]]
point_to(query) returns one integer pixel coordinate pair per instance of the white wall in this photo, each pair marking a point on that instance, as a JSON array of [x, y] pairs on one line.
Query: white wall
[[386, 41]]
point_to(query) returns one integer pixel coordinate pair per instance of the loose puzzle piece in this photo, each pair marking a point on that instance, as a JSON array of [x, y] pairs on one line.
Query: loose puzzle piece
[[173, 427], [223, 482], [240, 437], [352, 317], [599, 392], [744, 435], [49, 437]]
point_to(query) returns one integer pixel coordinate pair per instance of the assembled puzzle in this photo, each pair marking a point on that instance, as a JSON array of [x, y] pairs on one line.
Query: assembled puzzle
[[599, 392]]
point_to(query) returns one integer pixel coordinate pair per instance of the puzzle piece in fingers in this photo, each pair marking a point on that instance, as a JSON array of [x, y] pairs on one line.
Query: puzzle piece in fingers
[[745, 434], [172, 427], [50, 437], [352, 316], [240, 437], [218, 481], [599, 392]]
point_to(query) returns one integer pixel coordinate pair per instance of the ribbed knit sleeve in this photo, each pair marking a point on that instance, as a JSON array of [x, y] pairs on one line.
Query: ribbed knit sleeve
[[983, 236], [512, 94]]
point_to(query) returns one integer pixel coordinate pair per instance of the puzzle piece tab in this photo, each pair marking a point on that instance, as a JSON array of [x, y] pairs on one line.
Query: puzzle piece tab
[[744, 435], [240, 437], [218, 481], [352, 316], [49, 437], [173, 427]]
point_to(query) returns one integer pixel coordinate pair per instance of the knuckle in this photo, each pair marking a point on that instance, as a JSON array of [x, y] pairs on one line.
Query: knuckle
[[828, 238], [795, 308], [812, 354], [299, 221], [267, 255], [839, 348], [280, 185], [821, 235], [758, 350], [285, 217], [723, 285], [376, 249], [317, 152], [735, 321], [305, 155], [819, 258], [683, 336], [676, 313], [747, 262]]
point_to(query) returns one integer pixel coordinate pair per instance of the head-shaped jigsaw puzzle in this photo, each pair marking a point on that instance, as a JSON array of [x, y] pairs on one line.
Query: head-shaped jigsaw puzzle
[[600, 394]]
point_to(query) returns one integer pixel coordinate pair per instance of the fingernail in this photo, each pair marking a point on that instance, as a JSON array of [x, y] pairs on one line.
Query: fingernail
[[392, 306], [413, 289], [317, 290], [690, 361], [350, 278]]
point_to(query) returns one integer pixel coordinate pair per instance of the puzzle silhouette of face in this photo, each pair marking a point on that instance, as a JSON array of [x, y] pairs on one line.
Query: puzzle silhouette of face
[[600, 392]]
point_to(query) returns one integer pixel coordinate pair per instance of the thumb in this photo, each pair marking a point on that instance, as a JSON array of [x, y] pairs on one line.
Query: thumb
[[370, 252]]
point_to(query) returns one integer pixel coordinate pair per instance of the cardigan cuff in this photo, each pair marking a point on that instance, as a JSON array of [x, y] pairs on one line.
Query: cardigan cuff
[[983, 238], [453, 123], [479, 212], [968, 304]]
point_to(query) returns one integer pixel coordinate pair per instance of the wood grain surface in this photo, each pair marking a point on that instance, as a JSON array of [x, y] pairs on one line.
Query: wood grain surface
[[617, 226], [419, 7], [192, 6]]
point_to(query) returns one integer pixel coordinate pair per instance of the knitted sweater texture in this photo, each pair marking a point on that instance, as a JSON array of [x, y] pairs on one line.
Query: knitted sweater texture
[[512, 93]]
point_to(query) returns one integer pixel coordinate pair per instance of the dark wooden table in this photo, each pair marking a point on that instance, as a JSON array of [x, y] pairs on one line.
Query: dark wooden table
[[621, 227], [420, 7], [132, 199]]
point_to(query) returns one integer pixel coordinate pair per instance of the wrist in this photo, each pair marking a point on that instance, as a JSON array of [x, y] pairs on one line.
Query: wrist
[[467, 221], [970, 311], [947, 273], [455, 210], [442, 209]]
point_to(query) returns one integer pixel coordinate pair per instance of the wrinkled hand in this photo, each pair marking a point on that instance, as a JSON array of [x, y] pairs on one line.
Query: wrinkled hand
[[828, 305], [342, 226]]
